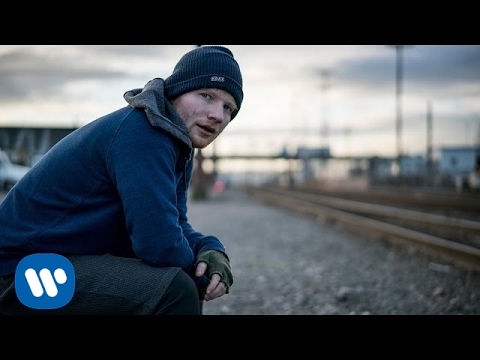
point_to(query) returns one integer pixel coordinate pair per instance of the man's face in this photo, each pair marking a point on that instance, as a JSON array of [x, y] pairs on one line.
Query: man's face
[[206, 113]]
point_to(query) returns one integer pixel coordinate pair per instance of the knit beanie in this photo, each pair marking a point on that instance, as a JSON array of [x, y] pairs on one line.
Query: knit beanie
[[206, 67]]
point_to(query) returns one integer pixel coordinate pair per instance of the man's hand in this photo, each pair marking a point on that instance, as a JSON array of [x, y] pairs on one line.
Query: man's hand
[[216, 267]]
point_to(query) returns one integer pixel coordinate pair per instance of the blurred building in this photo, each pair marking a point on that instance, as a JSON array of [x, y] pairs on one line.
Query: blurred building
[[460, 165], [453, 167], [25, 145]]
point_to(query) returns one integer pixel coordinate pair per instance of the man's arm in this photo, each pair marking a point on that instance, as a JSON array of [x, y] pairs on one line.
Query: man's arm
[[141, 163]]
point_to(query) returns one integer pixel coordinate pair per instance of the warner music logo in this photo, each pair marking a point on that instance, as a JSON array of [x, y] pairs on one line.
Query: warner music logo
[[45, 281]]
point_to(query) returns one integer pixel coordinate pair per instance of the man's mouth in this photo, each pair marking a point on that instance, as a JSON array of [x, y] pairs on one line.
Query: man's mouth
[[207, 129]]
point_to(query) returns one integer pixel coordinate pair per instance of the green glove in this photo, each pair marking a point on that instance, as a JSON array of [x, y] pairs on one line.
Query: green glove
[[217, 263]]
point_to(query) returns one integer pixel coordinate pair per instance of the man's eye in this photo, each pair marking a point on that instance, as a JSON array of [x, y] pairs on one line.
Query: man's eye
[[228, 109], [205, 95]]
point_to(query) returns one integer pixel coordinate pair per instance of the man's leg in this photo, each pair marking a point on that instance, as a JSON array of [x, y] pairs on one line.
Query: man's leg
[[109, 285]]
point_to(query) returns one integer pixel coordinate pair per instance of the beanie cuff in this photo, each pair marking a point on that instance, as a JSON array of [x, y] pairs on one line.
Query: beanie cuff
[[216, 81]]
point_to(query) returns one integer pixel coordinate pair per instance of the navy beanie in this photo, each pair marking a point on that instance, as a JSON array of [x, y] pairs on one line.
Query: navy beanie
[[206, 67]]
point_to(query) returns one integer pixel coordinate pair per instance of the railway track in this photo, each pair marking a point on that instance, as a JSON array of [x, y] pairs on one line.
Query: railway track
[[443, 225]]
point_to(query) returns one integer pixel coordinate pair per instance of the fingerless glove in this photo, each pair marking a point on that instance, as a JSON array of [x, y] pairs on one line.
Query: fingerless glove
[[217, 263]]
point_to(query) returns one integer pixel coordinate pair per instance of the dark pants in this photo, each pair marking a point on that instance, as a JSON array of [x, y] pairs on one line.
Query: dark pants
[[109, 285]]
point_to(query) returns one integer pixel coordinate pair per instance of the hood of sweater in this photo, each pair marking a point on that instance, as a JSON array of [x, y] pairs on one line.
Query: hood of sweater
[[159, 110]]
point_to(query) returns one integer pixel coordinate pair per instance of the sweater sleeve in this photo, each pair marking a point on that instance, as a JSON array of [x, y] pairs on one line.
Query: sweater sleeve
[[198, 241], [142, 164]]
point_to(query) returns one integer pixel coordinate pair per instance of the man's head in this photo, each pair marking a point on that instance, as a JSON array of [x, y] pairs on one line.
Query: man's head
[[206, 67]]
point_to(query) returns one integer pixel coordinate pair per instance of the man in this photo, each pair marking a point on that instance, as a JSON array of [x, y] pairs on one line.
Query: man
[[111, 197]]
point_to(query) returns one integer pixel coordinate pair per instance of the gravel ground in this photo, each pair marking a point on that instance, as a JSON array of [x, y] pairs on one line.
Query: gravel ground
[[288, 264]]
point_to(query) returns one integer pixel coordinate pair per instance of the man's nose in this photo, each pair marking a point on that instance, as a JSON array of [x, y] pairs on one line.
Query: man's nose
[[216, 112]]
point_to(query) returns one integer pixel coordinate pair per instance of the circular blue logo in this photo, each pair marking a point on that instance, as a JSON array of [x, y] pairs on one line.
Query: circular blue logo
[[45, 281]]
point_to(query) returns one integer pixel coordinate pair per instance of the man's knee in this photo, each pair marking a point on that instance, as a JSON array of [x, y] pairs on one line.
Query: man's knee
[[181, 297]]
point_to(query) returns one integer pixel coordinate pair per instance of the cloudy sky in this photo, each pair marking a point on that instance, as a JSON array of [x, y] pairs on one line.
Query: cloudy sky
[[341, 96]]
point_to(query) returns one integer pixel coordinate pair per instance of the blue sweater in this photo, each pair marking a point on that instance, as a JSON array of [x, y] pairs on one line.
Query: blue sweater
[[117, 184]]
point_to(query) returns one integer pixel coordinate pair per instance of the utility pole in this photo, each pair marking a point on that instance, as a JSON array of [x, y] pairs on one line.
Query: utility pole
[[199, 180], [477, 140], [214, 159], [398, 82], [324, 126], [429, 155], [399, 79]]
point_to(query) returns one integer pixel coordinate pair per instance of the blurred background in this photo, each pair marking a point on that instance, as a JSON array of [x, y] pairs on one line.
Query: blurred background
[[333, 115]]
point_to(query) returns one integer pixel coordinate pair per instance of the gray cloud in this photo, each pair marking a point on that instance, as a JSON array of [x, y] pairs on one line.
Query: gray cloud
[[425, 69], [26, 73]]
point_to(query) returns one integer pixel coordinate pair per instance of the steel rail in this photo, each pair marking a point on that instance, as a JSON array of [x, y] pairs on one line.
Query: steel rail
[[460, 254], [383, 210]]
